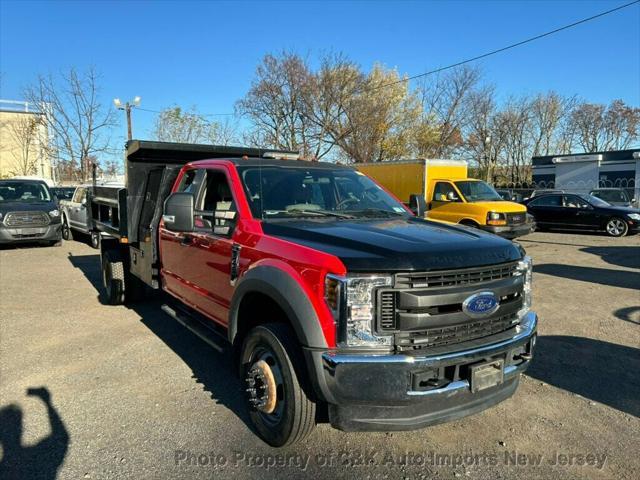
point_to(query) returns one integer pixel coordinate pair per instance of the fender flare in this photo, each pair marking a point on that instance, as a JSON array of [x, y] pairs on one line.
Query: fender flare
[[282, 288]]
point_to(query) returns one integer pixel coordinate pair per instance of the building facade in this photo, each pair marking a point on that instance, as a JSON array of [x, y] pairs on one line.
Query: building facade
[[24, 139], [584, 171]]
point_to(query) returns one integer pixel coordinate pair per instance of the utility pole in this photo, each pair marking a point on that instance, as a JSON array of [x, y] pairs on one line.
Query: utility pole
[[127, 109]]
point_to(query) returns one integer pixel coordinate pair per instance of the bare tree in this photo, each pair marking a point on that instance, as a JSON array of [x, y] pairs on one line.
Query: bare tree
[[549, 113], [598, 127], [447, 99], [176, 125], [26, 133], [275, 105], [74, 115]]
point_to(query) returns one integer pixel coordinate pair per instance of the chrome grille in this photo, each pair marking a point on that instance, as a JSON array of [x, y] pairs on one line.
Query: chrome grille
[[449, 278], [26, 219], [516, 218]]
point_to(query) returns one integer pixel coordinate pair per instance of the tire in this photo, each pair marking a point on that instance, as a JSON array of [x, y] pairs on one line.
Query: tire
[[94, 239], [66, 229], [113, 277], [616, 227], [293, 415]]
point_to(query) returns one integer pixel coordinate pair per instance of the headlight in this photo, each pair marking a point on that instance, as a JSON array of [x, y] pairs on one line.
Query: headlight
[[496, 218], [632, 216], [54, 213], [525, 268], [352, 301]]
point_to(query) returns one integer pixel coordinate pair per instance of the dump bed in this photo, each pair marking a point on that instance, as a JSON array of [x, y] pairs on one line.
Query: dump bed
[[132, 214]]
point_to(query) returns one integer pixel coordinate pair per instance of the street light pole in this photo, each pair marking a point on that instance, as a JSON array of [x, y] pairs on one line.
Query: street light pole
[[127, 109]]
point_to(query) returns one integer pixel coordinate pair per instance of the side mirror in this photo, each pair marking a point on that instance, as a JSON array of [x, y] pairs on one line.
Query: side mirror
[[417, 204], [178, 212]]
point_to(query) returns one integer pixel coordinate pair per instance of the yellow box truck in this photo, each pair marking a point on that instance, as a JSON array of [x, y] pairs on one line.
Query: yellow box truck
[[450, 195]]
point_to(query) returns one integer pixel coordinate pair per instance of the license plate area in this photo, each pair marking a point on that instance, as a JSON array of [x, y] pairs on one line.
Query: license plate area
[[486, 375]]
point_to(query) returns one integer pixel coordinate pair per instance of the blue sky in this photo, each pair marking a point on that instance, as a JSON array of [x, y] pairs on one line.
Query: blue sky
[[204, 53]]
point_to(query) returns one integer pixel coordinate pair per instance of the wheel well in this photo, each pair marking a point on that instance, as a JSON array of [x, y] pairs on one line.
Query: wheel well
[[468, 222], [255, 309]]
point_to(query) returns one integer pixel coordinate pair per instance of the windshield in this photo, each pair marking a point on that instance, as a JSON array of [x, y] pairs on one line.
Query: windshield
[[611, 195], [24, 192], [595, 201], [63, 193], [281, 192], [477, 191]]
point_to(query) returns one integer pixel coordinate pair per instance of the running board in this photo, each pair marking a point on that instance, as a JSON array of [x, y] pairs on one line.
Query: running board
[[210, 336]]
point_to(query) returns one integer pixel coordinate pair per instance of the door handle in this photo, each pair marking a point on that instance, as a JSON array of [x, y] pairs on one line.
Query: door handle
[[186, 240]]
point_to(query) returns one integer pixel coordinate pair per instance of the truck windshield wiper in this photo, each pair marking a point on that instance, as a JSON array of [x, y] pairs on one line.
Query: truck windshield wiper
[[371, 212], [321, 213]]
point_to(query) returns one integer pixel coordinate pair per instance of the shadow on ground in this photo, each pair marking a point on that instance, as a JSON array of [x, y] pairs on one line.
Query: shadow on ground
[[628, 314], [602, 276], [213, 370], [624, 256], [38, 461], [600, 371]]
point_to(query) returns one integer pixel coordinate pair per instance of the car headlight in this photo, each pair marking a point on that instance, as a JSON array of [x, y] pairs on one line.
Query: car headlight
[[496, 218], [632, 216], [54, 213], [351, 300], [525, 268]]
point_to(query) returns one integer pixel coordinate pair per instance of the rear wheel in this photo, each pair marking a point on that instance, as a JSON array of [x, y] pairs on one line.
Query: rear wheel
[[616, 227], [279, 408], [113, 277], [66, 229]]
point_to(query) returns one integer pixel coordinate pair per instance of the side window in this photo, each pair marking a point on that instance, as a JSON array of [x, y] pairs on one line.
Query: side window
[[443, 192], [547, 201], [571, 201], [79, 195], [187, 183], [215, 206]]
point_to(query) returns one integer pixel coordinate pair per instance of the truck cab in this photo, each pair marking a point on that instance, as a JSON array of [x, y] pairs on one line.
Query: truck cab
[[335, 299], [451, 196]]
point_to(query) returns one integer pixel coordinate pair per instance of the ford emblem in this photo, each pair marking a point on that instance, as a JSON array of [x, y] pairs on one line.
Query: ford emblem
[[480, 304]]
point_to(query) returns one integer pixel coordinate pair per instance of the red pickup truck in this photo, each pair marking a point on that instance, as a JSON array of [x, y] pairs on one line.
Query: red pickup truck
[[333, 295]]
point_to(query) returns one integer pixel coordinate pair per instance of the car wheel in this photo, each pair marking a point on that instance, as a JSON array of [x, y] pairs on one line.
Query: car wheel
[[66, 229], [95, 240], [113, 277], [616, 227], [280, 410]]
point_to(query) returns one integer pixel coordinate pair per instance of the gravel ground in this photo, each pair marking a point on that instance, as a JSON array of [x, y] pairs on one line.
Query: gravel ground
[[129, 393]]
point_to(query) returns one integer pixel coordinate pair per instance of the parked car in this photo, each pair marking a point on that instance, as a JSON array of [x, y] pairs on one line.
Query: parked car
[[329, 290], [28, 213], [63, 193], [75, 217], [613, 196], [582, 212]]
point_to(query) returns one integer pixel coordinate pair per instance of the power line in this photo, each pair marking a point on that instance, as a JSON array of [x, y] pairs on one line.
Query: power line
[[508, 47]]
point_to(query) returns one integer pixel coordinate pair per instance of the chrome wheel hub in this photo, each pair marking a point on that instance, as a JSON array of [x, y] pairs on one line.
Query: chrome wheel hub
[[615, 227]]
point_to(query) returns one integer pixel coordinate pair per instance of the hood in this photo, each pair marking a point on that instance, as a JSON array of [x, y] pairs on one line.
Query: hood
[[6, 207], [619, 209], [403, 244], [502, 206]]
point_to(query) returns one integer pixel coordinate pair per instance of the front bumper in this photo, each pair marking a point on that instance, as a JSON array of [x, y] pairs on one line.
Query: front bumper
[[48, 233], [379, 392], [510, 231]]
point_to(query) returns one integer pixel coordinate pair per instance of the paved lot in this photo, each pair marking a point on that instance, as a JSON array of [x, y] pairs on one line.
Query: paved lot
[[131, 391]]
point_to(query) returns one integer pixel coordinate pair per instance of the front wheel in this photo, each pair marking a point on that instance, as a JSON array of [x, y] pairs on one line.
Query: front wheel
[[616, 227], [279, 408], [66, 229]]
